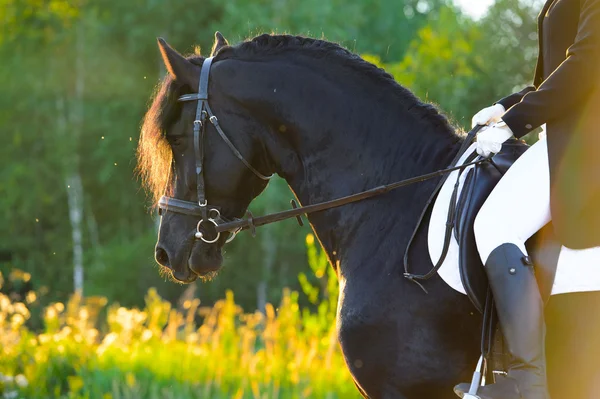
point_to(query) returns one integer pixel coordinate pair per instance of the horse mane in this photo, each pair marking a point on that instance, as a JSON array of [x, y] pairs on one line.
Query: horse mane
[[268, 44], [153, 152]]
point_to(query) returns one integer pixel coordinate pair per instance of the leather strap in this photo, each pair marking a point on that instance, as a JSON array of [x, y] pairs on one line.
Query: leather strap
[[199, 130], [199, 126], [202, 94], [204, 74], [244, 224], [213, 119], [450, 225], [451, 213], [181, 206]]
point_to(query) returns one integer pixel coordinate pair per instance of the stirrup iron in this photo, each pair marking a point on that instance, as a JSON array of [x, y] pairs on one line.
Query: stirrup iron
[[478, 379]]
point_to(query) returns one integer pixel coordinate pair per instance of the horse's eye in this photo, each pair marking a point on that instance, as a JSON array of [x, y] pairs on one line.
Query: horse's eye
[[174, 140]]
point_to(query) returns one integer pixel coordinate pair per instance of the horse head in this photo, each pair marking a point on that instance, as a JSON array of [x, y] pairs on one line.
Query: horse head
[[168, 156]]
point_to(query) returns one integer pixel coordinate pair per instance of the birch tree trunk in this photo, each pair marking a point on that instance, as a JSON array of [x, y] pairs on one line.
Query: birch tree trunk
[[74, 190], [75, 193], [69, 125]]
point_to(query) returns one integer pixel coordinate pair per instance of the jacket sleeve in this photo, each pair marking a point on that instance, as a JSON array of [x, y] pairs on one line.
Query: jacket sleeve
[[514, 98], [569, 84]]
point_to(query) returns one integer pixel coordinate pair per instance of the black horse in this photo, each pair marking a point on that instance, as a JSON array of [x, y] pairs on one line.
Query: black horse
[[332, 124]]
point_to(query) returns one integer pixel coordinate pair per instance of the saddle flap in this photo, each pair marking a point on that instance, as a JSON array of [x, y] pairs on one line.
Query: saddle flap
[[478, 185]]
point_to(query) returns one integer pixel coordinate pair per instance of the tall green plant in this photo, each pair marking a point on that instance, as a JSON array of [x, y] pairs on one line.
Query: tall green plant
[[321, 287]]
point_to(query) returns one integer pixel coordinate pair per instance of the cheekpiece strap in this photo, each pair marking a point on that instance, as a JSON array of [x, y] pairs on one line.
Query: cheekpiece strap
[[204, 74], [202, 94]]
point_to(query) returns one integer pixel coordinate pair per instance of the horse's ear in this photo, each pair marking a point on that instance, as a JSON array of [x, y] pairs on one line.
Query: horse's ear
[[220, 42], [181, 69]]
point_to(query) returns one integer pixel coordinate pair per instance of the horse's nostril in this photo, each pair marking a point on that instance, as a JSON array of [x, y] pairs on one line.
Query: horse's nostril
[[161, 257]]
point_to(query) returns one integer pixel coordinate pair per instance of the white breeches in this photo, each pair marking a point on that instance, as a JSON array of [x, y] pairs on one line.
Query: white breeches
[[501, 220]]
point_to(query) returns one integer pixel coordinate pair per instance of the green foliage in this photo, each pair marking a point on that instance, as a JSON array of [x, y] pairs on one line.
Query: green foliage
[[105, 281], [158, 352], [440, 63], [76, 77], [383, 27], [463, 65], [321, 288], [325, 289]]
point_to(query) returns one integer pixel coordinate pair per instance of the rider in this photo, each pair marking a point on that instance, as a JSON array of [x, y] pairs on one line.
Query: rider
[[557, 179]]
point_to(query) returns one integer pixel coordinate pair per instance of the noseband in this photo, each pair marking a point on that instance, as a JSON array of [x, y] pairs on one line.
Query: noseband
[[202, 209]]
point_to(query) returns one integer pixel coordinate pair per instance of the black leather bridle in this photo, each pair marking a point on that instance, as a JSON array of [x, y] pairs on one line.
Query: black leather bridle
[[206, 212]]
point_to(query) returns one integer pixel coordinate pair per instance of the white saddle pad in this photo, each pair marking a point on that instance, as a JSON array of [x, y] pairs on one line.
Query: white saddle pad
[[578, 270]]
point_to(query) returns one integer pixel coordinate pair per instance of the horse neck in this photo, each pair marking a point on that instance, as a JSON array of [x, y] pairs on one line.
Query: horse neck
[[335, 131], [345, 143]]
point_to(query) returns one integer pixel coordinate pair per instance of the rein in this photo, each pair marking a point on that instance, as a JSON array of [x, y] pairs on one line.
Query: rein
[[252, 222]]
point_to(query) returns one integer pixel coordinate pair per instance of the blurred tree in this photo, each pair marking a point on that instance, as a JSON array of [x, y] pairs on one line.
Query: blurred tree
[[464, 65], [507, 48], [60, 121], [33, 191], [438, 65], [382, 27]]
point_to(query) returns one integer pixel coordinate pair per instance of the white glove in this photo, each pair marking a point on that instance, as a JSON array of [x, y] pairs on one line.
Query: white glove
[[488, 115], [490, 139]]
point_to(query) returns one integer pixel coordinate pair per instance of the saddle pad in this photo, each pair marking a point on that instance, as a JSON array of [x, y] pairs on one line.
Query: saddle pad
[[578, 270]]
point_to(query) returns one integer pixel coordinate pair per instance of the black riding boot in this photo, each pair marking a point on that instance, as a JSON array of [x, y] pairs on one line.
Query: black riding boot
[[521, 314]]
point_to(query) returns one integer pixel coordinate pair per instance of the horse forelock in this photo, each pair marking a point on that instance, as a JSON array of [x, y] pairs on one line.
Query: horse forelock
[[154, 153]]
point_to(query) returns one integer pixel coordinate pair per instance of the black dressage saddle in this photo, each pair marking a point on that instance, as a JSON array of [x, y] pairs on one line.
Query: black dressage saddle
[[479, 183]]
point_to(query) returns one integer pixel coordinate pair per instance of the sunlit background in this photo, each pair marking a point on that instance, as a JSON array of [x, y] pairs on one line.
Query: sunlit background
[[76, 78], [474, 8]]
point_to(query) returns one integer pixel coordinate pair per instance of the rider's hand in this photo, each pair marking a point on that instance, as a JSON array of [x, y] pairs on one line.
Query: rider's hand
[[488, 115], [490, 139]]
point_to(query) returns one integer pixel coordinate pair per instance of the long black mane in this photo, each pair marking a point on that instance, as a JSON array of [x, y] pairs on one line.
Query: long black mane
[[266, 45]]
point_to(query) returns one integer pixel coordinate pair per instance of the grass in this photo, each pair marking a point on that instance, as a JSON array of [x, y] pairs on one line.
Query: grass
[[161, 352]]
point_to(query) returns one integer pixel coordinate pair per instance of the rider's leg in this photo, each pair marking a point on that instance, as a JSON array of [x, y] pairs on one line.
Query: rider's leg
[[500, 220], [501, 229]]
